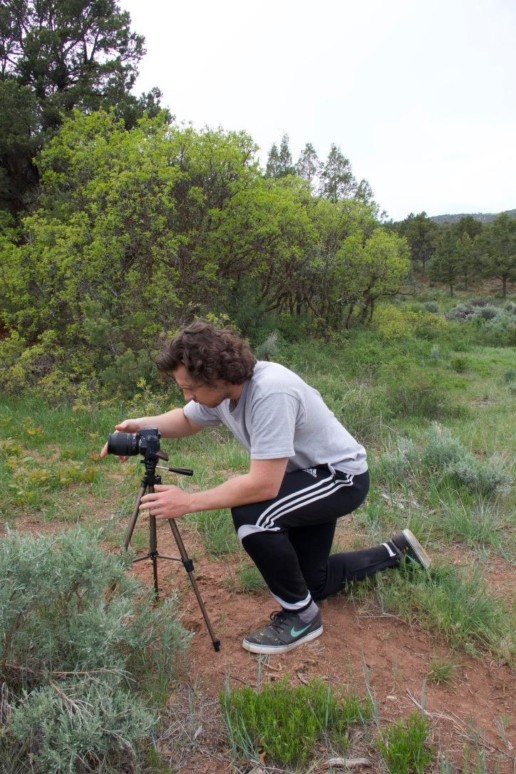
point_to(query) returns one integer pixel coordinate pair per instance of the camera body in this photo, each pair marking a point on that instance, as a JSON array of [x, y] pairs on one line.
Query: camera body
[[145, 442]]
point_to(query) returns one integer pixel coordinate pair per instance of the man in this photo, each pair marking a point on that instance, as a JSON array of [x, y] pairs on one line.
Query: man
[[305, 472]]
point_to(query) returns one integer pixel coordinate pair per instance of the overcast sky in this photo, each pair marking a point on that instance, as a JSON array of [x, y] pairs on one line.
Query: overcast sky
[[420, 95]]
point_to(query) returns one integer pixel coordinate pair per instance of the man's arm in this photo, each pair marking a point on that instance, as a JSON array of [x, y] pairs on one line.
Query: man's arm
[[261, 482], [172, 424]]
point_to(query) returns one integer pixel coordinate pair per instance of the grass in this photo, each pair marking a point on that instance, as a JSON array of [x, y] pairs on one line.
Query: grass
[[455, 604], [441, 671], [403, 745]]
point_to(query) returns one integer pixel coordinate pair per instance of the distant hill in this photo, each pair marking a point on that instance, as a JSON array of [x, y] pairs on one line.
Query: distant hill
[[482, 217]]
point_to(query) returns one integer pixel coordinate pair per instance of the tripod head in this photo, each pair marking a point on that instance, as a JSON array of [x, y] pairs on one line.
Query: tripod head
[[150, 460]]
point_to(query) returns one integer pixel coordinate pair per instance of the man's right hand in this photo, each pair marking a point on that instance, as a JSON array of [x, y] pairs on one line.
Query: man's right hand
[[127, 426]]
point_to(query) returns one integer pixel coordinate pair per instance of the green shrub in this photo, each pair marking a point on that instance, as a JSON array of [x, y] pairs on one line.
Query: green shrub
[[360, 408], [493, 325], [415, 393], [125, 371], [268, 349], [446, 461], [403, 745], [393, 322], [78, 636], [500, 331], [488, 312], [394, 466], [479, 478], [441, 449], [459, 364], [447, 458]]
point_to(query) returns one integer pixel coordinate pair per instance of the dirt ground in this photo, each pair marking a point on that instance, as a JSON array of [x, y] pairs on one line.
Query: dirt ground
[[359, 651]]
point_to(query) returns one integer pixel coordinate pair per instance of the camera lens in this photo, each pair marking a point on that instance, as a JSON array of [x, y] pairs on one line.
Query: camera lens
[[124, 444]]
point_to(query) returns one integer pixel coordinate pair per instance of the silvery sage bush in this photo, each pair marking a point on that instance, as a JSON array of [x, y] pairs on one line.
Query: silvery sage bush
[[79, 638]]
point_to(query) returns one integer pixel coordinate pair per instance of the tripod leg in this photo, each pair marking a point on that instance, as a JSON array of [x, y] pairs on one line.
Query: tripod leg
[[188, 565], [134, 517], [153, 552], [153, 541]]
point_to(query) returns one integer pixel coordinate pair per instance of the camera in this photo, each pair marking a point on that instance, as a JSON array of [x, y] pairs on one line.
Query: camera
[[129, 444]]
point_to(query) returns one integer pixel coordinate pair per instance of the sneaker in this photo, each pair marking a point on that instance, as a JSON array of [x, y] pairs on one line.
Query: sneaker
[[406, 542], [286, 631]]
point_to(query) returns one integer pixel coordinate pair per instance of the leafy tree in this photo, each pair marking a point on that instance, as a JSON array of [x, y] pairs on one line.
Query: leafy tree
[[308, 164], [467, 258], [72, 53], [118, 249], [468, 231], [285, 157], [19, 139], [67, 54], [364, 192], [265, 238], [137, 231], [272, 168], [342, 288], [499, 250], [447, 263], [373, 268], [422, 235], [337, 181], [469, 225], [279, 163]]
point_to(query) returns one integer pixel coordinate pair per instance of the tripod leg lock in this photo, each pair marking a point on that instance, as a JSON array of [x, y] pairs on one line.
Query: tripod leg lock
[[188, 565]]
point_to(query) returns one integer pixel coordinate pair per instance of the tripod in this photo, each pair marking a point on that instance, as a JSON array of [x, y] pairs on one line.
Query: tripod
[[149, 480]]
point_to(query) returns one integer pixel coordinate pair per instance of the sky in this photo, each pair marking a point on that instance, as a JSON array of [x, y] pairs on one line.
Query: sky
[[419, 95]]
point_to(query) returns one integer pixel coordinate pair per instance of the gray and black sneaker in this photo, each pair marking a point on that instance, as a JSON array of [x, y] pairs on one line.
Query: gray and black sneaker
[[408, 544], [286, 631]]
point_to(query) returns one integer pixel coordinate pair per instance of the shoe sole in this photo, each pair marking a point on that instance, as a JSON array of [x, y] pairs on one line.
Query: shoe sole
[[270, 650], [419, 553]]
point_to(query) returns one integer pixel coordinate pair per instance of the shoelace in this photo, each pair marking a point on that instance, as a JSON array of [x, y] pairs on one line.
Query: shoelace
[[278, 617]]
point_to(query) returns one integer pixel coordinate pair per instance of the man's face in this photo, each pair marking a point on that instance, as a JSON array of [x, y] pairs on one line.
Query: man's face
[[204, 394]]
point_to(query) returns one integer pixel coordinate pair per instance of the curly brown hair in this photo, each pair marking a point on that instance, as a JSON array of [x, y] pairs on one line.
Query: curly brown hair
[[208, 354]]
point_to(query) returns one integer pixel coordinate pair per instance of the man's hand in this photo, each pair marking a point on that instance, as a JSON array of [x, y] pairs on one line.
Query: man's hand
[[127, 426], [167, 502]]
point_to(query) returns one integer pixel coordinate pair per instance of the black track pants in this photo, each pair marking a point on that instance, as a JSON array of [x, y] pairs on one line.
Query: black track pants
[[289, 538]]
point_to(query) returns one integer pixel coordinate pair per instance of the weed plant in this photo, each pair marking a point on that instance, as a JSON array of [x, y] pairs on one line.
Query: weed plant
[[287, 723]]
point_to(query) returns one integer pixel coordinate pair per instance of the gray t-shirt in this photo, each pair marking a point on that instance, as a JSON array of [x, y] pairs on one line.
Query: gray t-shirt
[[279, 415]]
